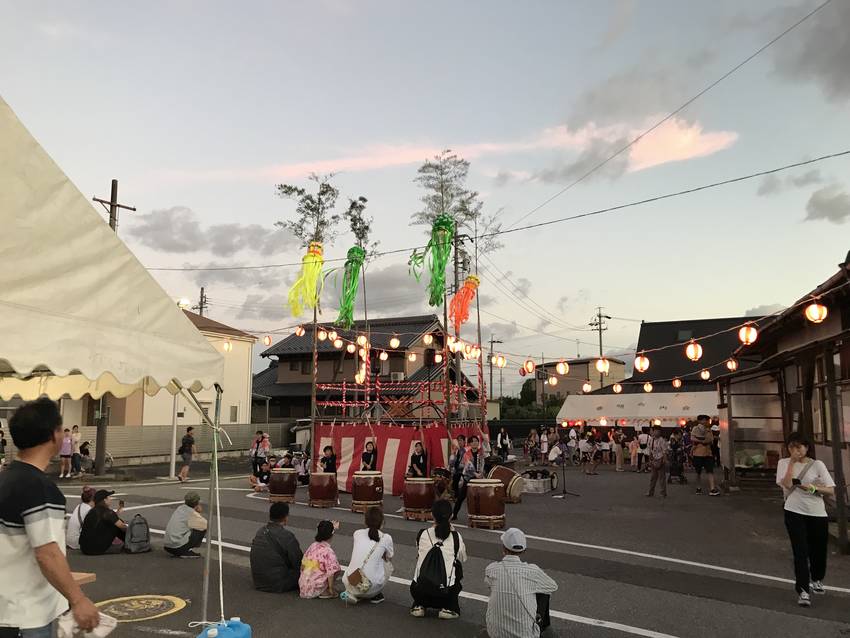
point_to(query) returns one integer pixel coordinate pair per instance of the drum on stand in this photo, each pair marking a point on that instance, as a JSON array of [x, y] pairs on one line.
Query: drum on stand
[[485, 503], [418, 498], [282, 485], [367, 490], [512, 481], [323, 489]]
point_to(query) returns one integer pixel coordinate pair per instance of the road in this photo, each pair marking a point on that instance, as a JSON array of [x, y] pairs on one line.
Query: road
[[687, 566]]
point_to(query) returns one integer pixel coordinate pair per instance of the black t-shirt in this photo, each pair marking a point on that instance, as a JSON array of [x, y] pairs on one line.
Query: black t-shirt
[[186, 445], [419, 462], [98, 530], [370, 460], [263, 476], [328, 463]]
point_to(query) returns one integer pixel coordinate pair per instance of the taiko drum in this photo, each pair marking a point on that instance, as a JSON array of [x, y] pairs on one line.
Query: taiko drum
[[485, 503], [282, 485], [367, 490], [323, 489]]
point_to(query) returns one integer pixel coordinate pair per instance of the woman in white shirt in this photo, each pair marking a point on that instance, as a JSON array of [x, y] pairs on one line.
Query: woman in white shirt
[[804, 483], [75, 522], [450, 544], [372, 554]]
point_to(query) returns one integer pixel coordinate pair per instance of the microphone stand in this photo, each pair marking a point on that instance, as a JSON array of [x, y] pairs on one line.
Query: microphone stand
[[563, 457]]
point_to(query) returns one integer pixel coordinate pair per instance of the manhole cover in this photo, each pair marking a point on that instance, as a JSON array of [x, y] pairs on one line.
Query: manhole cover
[[138, 608]]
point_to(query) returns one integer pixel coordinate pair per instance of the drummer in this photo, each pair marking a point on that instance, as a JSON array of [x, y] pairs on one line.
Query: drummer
[[418, 462], [328, 460], [473, 468], [369, 458]]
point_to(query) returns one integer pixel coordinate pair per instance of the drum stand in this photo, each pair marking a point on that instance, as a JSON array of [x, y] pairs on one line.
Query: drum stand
[[564, 492]]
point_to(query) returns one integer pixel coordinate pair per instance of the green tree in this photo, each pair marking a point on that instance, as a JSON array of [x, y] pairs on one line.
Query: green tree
[[315, 219], [527, 395], [360, 225]]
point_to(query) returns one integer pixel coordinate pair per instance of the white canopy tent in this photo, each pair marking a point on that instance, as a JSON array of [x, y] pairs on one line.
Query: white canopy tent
[[638, 408], [78, 313]]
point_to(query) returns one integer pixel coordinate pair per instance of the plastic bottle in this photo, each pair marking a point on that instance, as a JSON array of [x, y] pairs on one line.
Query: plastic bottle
[[238, 628], [216, 631]]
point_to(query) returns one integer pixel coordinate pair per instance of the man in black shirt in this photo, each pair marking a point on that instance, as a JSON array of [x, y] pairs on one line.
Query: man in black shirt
[[328, 461], [101, 527], [418, 462], [187, 451], [260, 479], [369, 458], [275, 554]]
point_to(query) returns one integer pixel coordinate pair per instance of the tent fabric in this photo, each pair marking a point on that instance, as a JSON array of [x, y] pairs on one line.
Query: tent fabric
[[78, 312], [639, 408]]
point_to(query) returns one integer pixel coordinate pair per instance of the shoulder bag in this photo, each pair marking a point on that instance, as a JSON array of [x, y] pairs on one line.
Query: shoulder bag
[[358, 580]]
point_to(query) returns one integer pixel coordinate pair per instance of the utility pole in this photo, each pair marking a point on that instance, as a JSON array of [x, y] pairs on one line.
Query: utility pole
[[493, 340], [458, 376], [203, 302], [598, 322], [112, 206]]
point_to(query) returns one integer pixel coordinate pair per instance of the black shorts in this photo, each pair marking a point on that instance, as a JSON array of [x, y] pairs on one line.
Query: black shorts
[[704, 463]]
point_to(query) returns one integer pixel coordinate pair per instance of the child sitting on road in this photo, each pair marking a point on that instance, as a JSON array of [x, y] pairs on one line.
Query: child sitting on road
[[320, 567]]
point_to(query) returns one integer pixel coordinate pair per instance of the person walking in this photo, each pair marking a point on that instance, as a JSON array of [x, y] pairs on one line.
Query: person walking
[[66, 449], [275, 554], [643, 446], [633, 453], [187, 452], [703, 457], [657, 453], [544, 445], [515, 588], [437, 578], [186, 528], [371, 564], [37, 583], [804, 482], [618, 439], [76, 459], [503, 442]]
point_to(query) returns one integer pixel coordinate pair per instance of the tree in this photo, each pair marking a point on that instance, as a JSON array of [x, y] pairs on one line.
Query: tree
[[360, 224], [314, 216], [528, 394]]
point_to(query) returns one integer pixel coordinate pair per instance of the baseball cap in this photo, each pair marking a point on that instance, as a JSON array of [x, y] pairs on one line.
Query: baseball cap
[[514, 540], [102, 495], [192, 499]]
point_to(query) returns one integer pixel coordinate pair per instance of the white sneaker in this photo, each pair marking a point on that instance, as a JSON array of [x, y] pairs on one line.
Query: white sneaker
[[417, 612], [804, 600], [817, 587]]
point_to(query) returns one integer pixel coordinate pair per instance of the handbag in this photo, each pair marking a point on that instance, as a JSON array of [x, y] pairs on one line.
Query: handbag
[[358, 580]]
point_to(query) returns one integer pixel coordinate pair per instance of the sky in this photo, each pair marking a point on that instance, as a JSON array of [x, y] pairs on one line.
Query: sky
[[200, 109]]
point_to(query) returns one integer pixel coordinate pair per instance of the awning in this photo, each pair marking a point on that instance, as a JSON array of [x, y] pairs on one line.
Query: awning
[[78, 312], [639, 408]]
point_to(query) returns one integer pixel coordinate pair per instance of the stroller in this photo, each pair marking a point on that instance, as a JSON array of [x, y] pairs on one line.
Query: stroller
[[677, 462]]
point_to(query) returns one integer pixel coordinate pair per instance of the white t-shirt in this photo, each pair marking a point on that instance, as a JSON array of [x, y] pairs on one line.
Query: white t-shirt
[[800, 501], [374, 567], [428, 539], [72, 532]]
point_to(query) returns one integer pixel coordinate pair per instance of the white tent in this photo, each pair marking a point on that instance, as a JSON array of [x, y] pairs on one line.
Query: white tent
[[78, 312], [639, 408]]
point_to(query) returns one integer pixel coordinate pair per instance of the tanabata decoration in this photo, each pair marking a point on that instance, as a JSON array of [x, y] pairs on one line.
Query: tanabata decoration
[[350, 284], [438, 250], [459, 308], [308, 287]]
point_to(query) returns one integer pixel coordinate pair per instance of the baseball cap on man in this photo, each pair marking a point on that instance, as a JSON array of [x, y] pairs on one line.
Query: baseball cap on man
[[102, 495], [192, 499], [514, 540]]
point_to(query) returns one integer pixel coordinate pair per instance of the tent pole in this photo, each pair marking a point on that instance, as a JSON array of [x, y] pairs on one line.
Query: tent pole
[[212, 503], [173, 468]]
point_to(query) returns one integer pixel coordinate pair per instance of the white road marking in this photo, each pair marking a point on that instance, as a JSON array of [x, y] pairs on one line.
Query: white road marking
[[162, 631], [142, 507], [226, 489], [595, 622], [78, 496]]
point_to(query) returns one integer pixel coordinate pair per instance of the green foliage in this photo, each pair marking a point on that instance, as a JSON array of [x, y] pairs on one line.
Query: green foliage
[[527, 394], [314, 216], [360, 224]]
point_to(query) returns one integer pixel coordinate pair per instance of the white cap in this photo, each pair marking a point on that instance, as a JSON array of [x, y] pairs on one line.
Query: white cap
[[514, 540]]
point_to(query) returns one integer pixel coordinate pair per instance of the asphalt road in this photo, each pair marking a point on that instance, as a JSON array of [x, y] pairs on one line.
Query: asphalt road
[[687, 566]]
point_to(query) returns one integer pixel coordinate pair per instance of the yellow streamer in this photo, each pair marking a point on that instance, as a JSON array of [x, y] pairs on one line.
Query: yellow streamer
[[308, 287]]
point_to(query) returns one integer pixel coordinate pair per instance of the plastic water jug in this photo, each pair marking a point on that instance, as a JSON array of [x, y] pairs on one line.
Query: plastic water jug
[[238, 628], [216, 631]]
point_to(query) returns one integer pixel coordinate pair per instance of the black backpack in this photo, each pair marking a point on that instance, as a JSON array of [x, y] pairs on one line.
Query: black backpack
[[432, 579]]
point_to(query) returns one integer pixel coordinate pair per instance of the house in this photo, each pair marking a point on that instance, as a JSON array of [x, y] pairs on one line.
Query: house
[[411, 375], [663, 343], [140, 409], [799, 381], [580, 371]]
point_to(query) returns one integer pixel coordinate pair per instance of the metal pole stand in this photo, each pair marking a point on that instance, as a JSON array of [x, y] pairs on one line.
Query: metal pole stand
[[564, 492]]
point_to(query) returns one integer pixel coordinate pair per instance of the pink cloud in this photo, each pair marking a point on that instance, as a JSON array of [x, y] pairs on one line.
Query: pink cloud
[[676, 141]]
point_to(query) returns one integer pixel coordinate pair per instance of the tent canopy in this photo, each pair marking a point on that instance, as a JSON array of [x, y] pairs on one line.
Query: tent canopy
[[78, 312], [639, 408]]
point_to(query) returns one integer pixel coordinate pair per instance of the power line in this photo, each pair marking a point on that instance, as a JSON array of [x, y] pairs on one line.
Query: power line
[[670, 115]]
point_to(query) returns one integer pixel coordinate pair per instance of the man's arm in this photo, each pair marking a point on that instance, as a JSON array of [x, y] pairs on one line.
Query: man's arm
[[293, 552], [543, 584], [54, 566]]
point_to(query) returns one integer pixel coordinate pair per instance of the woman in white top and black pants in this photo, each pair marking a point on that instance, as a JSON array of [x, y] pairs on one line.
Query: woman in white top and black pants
[[804, 482]]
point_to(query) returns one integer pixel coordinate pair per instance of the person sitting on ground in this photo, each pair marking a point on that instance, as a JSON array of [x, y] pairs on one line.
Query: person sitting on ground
[[260, 479], [371, 557], [319, 566], [186, 528], [328, 460], [302, 468], [515, 586], [75, 522], [418, 462], [437, 579], [275, 554], [103, 530], [285, 461]]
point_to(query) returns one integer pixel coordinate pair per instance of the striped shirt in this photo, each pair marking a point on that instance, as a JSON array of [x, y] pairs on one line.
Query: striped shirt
[[512, 608]]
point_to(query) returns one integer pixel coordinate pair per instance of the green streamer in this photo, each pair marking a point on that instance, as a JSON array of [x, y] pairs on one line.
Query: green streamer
[[439, 249], [350, 284]]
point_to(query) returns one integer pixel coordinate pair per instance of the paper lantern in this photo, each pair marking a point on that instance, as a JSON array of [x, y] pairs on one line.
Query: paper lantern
[[228, 346], [522, 372], [677, 383], [501, 361], [493, 359], [693, 351], [394, 342], [705, 375], [732, 365], [816, 312], [438, 358], [351, 348], [267, 340], [362, 340], [565, 424], [362, 353], [656, 422], [586, 387], [411, 356], [641, 363], [467, 350], [562, 368], [553, 380], [332, 335], [428, 339], [617, 388], [647, 387], [338, 343], [682, 422], [748, 334], [322, 334], [603, 421], [623, 422], [299, 331], [603, 365], [529, 366], [383, 356]]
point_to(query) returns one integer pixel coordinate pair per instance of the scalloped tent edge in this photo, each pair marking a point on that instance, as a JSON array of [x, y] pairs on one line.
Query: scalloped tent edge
[[78, 313]]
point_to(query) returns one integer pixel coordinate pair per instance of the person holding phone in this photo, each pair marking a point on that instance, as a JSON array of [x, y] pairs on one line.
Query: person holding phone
[[804, 483]]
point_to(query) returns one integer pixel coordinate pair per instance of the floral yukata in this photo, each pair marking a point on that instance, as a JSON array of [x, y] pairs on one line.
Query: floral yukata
[[318, 563]]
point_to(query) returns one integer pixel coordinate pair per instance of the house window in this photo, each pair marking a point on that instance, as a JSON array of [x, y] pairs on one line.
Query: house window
[[684, 335], [305, 367], [234, 413], [294, 366], [385, 368], [205, 408], [396, 364]]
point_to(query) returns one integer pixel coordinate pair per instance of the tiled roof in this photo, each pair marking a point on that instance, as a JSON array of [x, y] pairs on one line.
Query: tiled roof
[[205, 324], [408, 329]]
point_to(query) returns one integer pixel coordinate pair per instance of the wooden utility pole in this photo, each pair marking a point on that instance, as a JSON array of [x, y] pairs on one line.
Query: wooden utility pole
[[203, 302], [493, 341], [598, 322], [112, 206]]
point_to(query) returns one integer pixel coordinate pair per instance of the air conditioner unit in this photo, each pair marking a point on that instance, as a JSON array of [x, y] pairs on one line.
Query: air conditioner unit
[[396, 376]]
